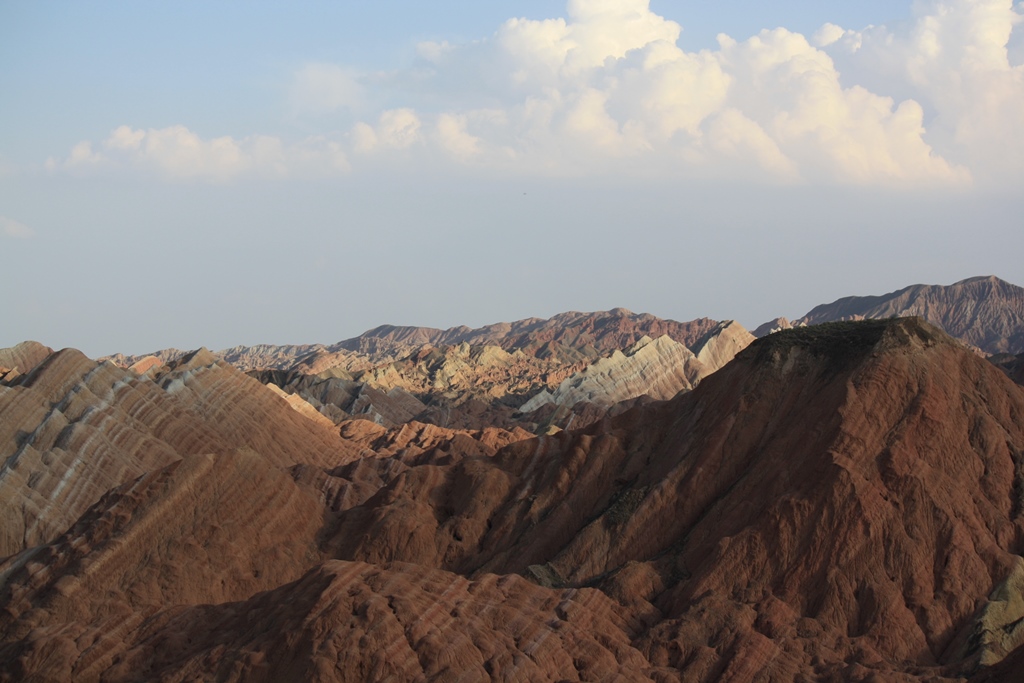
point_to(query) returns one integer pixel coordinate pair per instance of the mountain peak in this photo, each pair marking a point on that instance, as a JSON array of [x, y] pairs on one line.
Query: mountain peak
[[844, 341], [201, 357], [984, 311], [24, 356]]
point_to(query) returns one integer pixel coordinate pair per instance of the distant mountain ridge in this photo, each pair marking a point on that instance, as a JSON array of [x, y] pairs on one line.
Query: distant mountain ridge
[[489, 376], [602, 331], [611, 330], [571, 369], [985, 311]]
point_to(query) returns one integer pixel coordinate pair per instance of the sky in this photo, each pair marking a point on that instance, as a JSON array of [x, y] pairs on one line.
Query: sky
[[210, 174]]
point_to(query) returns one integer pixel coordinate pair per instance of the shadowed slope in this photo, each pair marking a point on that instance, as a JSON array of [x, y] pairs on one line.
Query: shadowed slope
[[864, 477], [358, 622]]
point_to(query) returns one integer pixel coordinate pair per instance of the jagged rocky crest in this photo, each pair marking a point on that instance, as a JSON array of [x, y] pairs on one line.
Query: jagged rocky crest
[[985, 312], [540, 375]]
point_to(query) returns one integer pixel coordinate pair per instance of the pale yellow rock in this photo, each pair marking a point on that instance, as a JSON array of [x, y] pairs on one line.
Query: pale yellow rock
[[660, 369], [999, 628], [301, 405], [148, 365], [721, 347]]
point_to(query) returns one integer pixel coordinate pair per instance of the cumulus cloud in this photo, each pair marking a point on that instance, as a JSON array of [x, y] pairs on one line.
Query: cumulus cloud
[[955, 58], [793, 92], [181, 153], [453, 138], [938, 100], [395, 129], [81, 155], [608, 84], [596, 31], [12, 228]]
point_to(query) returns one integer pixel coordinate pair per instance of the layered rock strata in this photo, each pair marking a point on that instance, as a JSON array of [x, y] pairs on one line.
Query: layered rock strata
[[72, 429], [985, 312], [839, 503]]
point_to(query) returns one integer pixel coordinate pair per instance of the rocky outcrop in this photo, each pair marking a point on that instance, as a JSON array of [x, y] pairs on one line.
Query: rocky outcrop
[[985, 312], [163, 356], [658, 368], [20, 359], [302, 406], [458, 386], [73, 428], [764, 329], [721, 345]]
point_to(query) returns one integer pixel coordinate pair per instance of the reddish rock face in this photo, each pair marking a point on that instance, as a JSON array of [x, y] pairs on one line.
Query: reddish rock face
[[72, 429], [860, 485], [839, 503]]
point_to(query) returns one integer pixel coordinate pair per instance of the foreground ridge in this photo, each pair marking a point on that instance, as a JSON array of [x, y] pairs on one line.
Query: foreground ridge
[[837, 503]]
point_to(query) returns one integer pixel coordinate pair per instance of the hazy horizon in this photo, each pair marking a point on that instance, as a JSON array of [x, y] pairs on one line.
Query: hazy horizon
[[212, 176]]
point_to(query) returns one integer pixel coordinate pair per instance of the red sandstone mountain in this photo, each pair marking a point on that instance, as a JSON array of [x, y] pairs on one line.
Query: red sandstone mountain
[[983, 311], [839, 503], [72, 429]]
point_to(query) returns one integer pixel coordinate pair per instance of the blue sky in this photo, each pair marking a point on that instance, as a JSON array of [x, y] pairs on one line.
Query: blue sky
[[233, 173]]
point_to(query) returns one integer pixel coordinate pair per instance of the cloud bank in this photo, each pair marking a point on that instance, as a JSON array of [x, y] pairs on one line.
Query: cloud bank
[[938, 101], [180, 153]]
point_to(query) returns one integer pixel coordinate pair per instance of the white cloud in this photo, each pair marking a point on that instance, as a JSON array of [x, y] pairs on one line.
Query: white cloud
[[396, 129], [793, 91], [954, 57], [938, 101], [364, 137], [597, 30], [82, 154], [433, 51], [15, 229], [453, 138], [828, 34], [124, 138], [609, 82], [181, 153], [737, 137]]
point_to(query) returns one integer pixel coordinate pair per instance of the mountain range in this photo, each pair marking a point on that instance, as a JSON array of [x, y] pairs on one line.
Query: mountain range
[[985, 312], [594, 497]]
